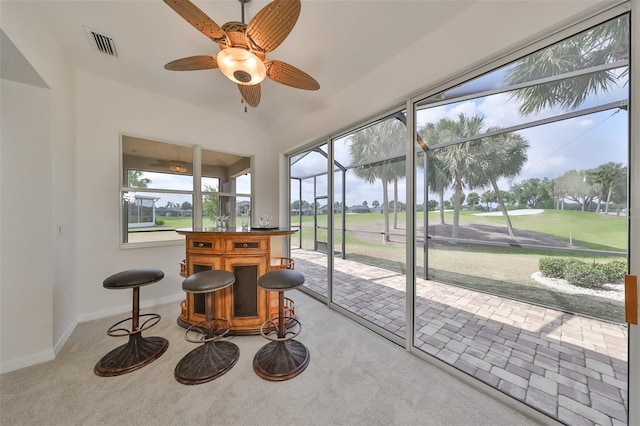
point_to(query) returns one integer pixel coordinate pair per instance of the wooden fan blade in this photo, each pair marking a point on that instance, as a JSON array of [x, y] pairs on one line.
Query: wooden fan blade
[[283, 73], [193, 63], [197, 18], [250, 94], [273, 24]]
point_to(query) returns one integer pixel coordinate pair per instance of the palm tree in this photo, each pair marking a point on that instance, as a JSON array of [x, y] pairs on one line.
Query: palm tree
[[398, 171], [619, 193], [605, 176], [600, 45], [439, 178], [474, 164], [473, 199], [459, 161], [135, 179], [504, 155], [488, 197], [377, 150]]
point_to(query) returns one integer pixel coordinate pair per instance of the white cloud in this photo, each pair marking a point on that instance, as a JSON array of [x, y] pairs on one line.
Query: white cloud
[[499, 110], [468, 108]]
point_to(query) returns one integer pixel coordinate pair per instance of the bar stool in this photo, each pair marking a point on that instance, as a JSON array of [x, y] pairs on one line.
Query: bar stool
[[289, 305], [214, 357], [282, 358], [138, 351]]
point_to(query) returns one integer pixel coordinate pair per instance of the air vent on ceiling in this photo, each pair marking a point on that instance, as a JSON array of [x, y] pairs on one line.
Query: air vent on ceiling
[[101, 42]]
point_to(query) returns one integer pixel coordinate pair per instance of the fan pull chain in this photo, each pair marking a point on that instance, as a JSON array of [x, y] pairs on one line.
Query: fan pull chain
[[242, 102]]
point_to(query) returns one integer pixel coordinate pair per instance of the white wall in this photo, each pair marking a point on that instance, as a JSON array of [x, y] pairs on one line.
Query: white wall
[[105, 110], [52, 317], [26, 306], [77, 161]]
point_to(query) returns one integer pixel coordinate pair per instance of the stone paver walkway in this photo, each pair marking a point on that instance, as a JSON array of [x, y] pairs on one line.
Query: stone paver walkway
[[570, 367]]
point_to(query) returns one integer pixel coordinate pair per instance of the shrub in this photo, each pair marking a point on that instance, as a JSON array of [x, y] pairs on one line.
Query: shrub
[[570, 264], [614, 270], [580, 273], [552, 267], [585, 275], [159, 222]]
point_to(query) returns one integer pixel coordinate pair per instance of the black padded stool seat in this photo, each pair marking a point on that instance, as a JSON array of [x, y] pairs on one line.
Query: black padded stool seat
[[281, 279], [214, 357], [138, 351], [282, 358], [133, 278], [207, 281]]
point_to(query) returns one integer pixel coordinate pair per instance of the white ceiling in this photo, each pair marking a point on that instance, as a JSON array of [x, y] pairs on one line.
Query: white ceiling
[[366, 55]]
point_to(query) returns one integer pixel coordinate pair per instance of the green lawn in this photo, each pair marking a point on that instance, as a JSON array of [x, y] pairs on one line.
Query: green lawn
[[505, 271], [586, 229]]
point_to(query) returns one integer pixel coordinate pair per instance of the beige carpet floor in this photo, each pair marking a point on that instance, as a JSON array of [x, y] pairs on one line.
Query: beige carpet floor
[[355, 377]]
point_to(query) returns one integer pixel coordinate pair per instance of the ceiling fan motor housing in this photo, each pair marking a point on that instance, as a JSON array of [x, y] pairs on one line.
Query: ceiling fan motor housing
[[242, 76]]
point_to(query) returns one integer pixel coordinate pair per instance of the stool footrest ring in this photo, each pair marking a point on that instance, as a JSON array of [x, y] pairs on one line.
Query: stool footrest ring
[[270, 327], [116, 331], [207, 333]]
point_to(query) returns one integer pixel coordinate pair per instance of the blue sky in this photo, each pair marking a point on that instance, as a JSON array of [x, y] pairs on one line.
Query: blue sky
[[579, 143]]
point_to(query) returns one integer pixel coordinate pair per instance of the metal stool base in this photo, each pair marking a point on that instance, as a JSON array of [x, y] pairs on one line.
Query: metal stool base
[[206, 362], [136, 353], [281, 360]]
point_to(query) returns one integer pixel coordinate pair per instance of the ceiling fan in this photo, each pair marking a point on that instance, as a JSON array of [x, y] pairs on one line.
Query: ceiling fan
[[175, 166], [243, 47]]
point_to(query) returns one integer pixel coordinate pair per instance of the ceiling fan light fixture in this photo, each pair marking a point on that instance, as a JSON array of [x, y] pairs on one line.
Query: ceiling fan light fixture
[[241, 66], [177, 167]]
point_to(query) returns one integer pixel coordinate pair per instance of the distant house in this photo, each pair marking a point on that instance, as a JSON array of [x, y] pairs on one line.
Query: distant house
[[142, 211], [359, 209], [306, 211], [174, 212]]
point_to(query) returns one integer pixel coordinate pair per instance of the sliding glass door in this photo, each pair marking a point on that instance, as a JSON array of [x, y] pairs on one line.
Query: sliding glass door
[[525, 213], [308, 215], [501, 207], [369, 223]]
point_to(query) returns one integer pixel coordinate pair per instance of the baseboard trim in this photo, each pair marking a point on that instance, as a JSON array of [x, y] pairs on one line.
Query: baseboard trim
[[127, 308], [65, 336], [50, 354], [27, 361]]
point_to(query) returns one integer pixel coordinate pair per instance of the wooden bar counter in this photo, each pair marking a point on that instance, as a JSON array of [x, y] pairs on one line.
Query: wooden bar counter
[[249, 255]]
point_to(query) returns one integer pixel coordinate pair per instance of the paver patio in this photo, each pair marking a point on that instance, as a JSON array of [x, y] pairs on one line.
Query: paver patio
[[568, 366]]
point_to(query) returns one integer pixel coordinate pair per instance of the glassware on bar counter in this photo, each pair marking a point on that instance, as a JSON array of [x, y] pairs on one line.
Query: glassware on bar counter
[[264, 220]]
